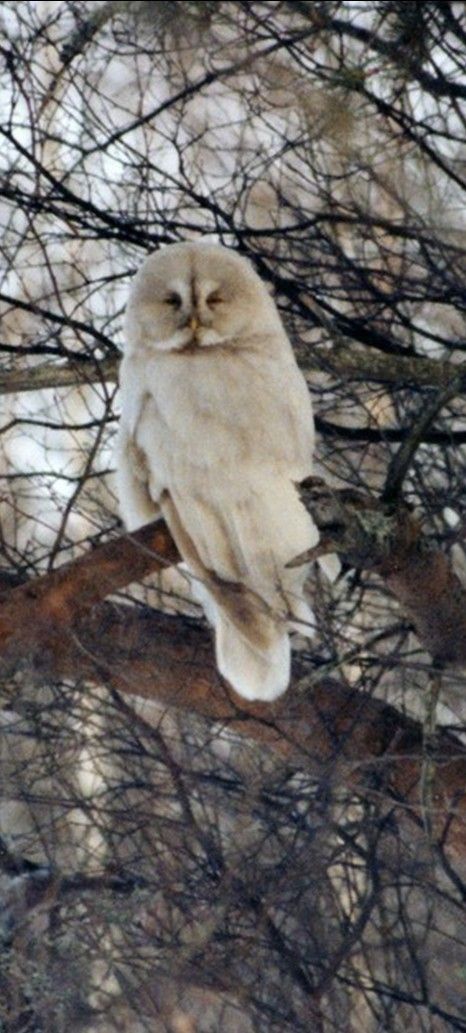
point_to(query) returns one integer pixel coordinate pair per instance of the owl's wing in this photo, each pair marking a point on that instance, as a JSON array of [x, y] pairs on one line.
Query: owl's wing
[[279, 411], [137, 505], [298, 419], [298, 446]]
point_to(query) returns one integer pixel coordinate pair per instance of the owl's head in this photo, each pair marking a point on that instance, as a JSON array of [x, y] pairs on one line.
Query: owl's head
[[197, 295]]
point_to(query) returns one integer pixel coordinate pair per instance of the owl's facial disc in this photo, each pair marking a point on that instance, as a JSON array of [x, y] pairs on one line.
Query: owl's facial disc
[[192, 310], [195, 297]]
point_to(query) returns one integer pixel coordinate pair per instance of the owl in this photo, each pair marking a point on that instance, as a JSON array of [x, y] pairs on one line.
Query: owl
[[216, 431]]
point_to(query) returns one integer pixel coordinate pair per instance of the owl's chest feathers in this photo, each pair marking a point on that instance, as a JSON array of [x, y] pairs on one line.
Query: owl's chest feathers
[[228, 416], [192, 396]]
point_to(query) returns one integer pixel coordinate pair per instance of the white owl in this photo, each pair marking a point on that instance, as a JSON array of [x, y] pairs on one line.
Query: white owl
[[216, 430]]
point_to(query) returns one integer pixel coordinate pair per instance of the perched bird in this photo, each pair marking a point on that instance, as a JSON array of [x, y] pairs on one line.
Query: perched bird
[[216, 431]]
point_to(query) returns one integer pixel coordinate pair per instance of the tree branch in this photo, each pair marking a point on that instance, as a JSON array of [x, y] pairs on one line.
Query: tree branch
[[61, 320], [61, 625], [403, 458], [48, 374], [34, 616], [332, 731], [342, 361], [398, 370], [371, 535], [382, 435]]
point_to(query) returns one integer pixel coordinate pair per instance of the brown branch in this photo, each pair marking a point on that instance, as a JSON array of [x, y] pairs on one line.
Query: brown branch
[[34, 616], [342, 361], [369, 535], [366, 534], [61, 625], [329, 730], [50, 374], [359, 364]]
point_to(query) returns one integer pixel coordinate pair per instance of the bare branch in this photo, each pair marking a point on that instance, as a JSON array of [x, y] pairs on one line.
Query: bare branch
[[169, 659], [356, 364], [403, 458], [346, 364], [83, 371]]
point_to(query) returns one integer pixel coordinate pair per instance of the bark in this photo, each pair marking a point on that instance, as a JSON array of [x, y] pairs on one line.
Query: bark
[[371, 535], [60, 625], [343, 360]]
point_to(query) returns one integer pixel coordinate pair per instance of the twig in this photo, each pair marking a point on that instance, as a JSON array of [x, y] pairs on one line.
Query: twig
[[429, 743], [403, 458]]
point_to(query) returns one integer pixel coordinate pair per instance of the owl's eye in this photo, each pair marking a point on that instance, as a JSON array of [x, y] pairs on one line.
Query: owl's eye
[[173, 299], [214, 299]]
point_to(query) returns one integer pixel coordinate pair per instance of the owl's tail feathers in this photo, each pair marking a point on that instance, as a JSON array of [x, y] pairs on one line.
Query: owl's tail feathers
[[330, 566], [251, 644], [256, 672], [303, 620]]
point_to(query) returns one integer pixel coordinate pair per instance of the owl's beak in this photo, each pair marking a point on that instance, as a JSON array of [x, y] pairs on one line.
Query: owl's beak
[[194, 324]]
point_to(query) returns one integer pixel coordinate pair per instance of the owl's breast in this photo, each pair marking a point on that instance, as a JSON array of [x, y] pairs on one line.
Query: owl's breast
[[194, 410], [210, 411], [227, 440]]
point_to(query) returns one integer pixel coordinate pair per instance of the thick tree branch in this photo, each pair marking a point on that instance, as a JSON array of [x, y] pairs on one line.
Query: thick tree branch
[[342, 361], [48, 374], [397, 370], [331, 731], [366, 534], [402, 56], [61, 625], [34, 616], [375, 536], [399, 51]]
